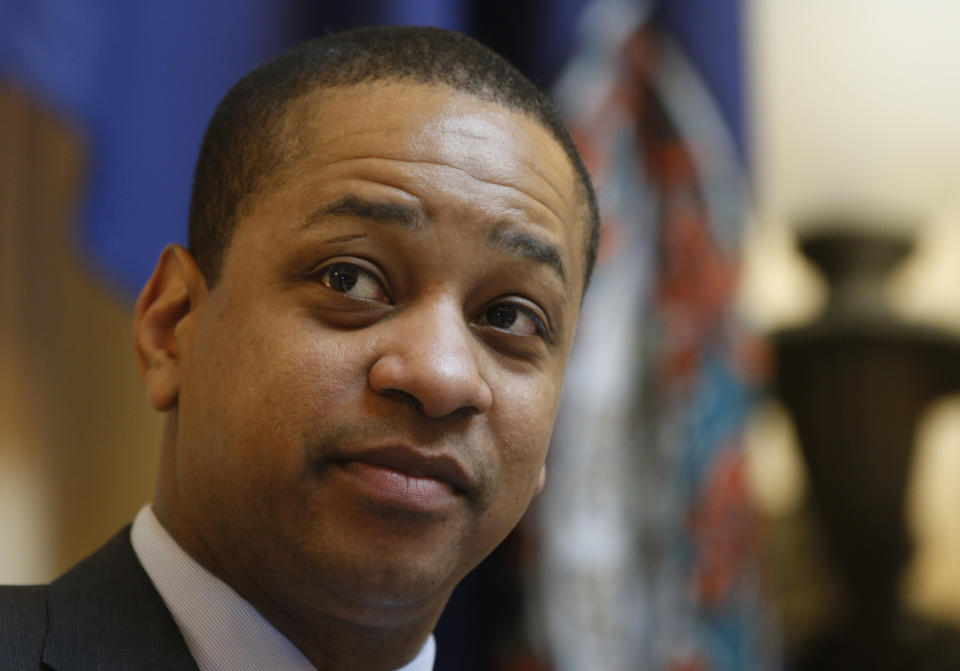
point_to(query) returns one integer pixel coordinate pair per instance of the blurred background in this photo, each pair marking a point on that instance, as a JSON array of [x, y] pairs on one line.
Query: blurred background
[[753, 466]]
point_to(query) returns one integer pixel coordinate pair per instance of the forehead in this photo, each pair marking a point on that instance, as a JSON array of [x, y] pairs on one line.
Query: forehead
[[330, 130], [414, 121]]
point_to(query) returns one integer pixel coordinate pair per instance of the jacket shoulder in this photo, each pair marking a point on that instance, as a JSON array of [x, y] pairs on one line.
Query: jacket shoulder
[[23, 625], [104, 613]]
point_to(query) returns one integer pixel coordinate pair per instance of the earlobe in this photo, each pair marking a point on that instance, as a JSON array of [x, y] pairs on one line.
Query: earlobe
[[541, 480], [172, 293]]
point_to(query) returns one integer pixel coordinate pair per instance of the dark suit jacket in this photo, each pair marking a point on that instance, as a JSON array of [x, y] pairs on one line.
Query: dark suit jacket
[[102, 615]]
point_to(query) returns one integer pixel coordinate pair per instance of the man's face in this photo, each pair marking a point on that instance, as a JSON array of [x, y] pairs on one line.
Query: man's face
[[366, 396]]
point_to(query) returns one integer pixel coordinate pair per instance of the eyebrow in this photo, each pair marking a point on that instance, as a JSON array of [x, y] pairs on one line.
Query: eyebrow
[[528, 246], [504, 236], [385, 212]]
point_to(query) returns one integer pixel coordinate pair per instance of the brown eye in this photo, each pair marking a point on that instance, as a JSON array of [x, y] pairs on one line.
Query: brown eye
[[342, 277], [354, 281], [502, 316], [513, 318]]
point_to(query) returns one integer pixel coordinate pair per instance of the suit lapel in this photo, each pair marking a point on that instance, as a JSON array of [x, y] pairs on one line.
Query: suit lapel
[[105, 614]]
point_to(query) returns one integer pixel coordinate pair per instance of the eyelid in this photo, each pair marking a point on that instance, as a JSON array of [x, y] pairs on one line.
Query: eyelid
[[358, 261]]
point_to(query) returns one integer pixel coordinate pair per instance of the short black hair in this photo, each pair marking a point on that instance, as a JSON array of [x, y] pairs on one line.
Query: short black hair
[[244, 142]]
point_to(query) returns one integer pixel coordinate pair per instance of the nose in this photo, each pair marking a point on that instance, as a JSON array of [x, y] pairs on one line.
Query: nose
[[430, 356]]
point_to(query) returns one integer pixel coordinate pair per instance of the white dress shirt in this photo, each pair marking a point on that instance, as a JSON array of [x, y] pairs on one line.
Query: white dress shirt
[[222, 630]]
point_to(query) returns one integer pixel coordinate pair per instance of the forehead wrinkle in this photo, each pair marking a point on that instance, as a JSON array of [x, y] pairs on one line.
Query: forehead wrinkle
[[506, 185], [533, 167], [467, 173], [380, 211], [505, 236]]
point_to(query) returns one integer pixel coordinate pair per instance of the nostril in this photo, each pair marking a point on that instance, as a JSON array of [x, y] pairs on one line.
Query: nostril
[[463, 413], [403, 397]]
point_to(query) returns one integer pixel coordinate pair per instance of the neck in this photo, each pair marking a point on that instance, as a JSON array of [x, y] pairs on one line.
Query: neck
[[333, 644]]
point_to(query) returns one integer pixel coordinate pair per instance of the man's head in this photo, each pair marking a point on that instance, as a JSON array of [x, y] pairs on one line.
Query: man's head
[[362, 367], [246, 140]]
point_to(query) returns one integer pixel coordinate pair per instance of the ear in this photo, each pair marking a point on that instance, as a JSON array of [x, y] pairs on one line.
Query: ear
[[172, 293], [541, 480]]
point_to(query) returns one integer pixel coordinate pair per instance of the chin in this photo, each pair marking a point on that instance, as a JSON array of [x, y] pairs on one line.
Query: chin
[[369, 583]]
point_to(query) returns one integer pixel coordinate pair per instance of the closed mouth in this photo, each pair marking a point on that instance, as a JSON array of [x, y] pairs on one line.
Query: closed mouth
[[416, 463]]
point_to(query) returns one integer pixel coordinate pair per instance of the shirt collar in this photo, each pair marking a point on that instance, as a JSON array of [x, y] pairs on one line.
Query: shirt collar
[[222, 630]]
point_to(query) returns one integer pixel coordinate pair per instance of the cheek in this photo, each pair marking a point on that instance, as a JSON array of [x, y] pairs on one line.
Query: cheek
[[297, 382], [524, 421], [521, 438], [266, 388]]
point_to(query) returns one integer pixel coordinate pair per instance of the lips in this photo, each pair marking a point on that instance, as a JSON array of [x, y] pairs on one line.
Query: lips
[[408, 477], [414, 463]]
